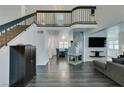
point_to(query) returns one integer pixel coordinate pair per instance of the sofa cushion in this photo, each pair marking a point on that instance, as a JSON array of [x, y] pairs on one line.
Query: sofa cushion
[[100, 64], [118, 60], [116, 72]]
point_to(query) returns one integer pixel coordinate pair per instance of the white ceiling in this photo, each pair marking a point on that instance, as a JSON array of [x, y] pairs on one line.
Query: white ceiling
[[51, 7], [33, 8]]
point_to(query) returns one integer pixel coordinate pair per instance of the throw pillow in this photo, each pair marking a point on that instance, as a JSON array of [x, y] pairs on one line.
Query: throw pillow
[[118, 60]]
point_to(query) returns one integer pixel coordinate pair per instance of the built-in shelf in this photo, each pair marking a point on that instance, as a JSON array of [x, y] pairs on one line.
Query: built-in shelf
[[96, 51], [96, 54], [75, 59]]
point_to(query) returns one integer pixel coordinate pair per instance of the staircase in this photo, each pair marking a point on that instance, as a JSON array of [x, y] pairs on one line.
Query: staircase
[[8, 35], [10, 30]]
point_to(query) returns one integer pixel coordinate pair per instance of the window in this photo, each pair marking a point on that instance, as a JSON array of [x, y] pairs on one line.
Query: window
[[60, 44], [116, 45], [112, 42], [63, 45], [110, 45], [113, 45]]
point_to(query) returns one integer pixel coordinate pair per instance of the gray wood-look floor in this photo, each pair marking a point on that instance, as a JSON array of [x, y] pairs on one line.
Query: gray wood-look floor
[[58, 73]]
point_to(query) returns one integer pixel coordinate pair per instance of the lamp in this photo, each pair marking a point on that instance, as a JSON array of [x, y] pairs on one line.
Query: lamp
[[122, 49], [63, 37]]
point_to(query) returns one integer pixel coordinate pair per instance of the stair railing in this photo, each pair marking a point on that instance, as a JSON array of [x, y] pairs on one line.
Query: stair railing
[[17, 26]]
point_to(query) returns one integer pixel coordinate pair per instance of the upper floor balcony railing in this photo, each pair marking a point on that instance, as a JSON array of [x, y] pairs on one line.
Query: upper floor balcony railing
[[78, 15]]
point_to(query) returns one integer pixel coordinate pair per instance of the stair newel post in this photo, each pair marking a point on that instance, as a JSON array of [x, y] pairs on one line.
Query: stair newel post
[[1, 38], [6, 37], [25, 21], [35, 18]]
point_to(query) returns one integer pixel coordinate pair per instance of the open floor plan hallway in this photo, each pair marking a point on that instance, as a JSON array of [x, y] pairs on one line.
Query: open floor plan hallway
[[58, 73]]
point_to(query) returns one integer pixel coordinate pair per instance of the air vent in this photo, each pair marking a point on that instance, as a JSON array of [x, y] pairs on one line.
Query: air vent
[[40, 31]]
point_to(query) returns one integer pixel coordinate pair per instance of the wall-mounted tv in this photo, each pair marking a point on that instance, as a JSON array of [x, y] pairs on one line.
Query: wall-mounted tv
[[97, 41]]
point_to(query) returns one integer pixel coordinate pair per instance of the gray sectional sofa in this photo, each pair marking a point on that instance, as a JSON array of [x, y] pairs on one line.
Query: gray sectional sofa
[[113, 70]]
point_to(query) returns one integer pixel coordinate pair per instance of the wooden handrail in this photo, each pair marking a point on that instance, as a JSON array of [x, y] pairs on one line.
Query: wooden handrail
[[14, 22]]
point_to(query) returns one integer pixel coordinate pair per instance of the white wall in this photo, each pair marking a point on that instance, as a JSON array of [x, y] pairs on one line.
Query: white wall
[[9, 13], [33, 8], [23, 10], [121, 36], [87, 50], [112, 36], [33, 37], [108, 15], [4, 66], [30, 36]]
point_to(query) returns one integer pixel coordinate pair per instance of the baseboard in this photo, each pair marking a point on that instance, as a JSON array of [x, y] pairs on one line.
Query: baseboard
[[46, 62], [4, 85]]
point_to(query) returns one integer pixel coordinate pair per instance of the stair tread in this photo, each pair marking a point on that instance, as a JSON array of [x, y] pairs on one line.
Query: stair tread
[[11, 33]]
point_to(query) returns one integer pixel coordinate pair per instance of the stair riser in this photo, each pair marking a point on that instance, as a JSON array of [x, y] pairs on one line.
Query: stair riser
[[12, 33]]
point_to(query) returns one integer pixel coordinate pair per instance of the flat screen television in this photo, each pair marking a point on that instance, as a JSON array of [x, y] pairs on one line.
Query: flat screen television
[[97, 41]]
